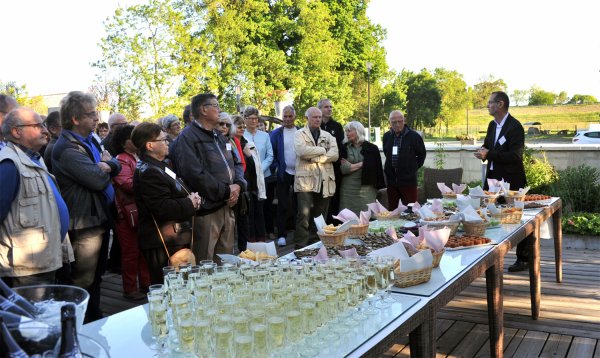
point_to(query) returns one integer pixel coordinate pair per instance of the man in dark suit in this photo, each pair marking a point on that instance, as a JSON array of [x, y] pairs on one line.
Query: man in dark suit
[[503, 149]]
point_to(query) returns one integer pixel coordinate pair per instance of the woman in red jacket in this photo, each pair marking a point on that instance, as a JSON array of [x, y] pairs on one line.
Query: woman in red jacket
[[134, 269]]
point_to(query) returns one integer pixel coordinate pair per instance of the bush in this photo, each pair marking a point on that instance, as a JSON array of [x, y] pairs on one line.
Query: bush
[[578, 188], [582, 223], [539, 172]]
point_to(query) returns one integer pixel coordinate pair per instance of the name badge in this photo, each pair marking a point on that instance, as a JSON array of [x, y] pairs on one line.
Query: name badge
[[228, 146], [170, 173], [502, 140], [394, 150]]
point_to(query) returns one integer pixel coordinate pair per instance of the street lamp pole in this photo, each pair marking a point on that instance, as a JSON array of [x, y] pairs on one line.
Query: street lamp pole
[[238, 97], [369, 66]]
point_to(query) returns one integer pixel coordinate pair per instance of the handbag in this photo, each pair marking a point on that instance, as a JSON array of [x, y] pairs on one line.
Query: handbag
[[131, 215], [182, 256]]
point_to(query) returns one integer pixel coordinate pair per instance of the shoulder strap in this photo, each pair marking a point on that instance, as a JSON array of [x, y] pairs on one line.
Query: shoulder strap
[[163, 240]]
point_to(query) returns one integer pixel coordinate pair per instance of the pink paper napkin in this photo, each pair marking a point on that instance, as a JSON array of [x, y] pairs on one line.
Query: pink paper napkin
[[443, 188], [365, 216], [436, 239], [392, 233], [416, 206], [376, 207], [436, 206], [349, 253], [401, 208], [458, 189], [410, 238], [345, 215], [322, 254]]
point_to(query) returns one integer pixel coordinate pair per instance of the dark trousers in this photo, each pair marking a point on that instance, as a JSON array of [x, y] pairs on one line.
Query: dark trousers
[[310, 206], [334, 201], [241, 227], [45, 278], [157, 259], [270, 184], [408, 194], [256, 219], [284, 210]]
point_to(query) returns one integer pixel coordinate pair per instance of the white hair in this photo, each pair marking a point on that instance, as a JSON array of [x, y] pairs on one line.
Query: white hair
[[225, 117], [358, 127]]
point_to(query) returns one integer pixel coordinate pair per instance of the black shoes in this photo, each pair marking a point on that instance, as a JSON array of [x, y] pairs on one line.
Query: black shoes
[[518, 266]]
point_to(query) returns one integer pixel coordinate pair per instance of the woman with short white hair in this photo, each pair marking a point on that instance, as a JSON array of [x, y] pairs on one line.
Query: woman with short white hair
[[361, 168]]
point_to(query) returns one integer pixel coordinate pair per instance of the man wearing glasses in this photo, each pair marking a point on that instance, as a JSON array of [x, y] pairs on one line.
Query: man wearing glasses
[[84, 173], [30, 205], [115, 121], [204, 159], [7, 104]]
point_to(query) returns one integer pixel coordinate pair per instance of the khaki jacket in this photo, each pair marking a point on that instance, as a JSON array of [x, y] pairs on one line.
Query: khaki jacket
[[314, 163], [30, 235]]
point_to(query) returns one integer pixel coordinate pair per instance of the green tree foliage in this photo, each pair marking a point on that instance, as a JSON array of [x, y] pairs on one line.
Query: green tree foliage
[[539, 172], [314, 49], [483, 89], [579, 188], [538, 97], [562, 97], [582, 99], [21, 95], [424, 99], [454, 96], [520, 97]]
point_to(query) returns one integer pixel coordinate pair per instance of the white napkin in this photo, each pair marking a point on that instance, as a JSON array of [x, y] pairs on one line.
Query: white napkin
[[349, 253], [436, 239], [477, 191], [465, 201], [425, 213], [320, 223], [457, 189], [392, 233], [345, 215], [505, 186], [437, 207], [469, 214], [365, 216], [523, 191], [519, 204], [418, 261], [411, 239], [346, 226], [443, 188], [266, 247], [493, 209], [322, 254], [396, 250], [415, 206]]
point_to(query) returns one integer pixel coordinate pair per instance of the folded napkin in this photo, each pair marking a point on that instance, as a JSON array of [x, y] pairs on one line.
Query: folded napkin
[[365, 217], [322, 254], [458, 188], [392, 233], [345, 215], [396, 250], [444, 189], [265, 247], [348, 253], [519, 204], [493, 209], [411, 239], [469, 214], [320, 223], [436, 239], [497, 186], [523, 191], [437, 207], [418, 261], [464, 201], [425, 213], [377, 208], [477, 191], [416, 206]]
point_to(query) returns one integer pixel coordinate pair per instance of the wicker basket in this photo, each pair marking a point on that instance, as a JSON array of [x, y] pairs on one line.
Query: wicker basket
[[512, 217], [412, 278], [356, 230], [330, 240], [510, 199], [485, 199], [449, 196], [453, 225], [474, 227], [437, 257], [386, 217]]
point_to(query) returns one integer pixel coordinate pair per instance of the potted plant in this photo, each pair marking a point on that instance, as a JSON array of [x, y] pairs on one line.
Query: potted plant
[[466, 139]]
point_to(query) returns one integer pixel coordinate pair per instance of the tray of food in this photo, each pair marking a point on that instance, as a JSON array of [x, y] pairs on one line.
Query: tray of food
[[467, 242], [537, 197], [370, 242]]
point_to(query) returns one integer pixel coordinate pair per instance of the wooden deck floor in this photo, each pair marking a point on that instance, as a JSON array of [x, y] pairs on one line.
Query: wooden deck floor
[[569, 323]]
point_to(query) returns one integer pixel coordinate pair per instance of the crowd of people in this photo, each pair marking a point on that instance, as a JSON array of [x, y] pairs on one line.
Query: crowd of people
[[206, 182]]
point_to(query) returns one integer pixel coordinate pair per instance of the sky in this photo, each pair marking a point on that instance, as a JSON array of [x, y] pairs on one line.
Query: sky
[[554, 44]]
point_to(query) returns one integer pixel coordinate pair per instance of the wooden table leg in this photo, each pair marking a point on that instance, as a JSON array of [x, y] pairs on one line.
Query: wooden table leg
[[422, 339], [557, 226], [535, 284], [493, 282]]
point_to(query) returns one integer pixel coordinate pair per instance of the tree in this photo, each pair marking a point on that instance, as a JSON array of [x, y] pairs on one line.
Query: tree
[[423, 97], [582, 99], [483, 89], [562, 97], [454, 96], [520, 96], [538, 97], [21, 95]]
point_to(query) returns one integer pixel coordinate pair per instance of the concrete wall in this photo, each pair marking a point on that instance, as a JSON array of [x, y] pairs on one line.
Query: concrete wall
[[560, 156]]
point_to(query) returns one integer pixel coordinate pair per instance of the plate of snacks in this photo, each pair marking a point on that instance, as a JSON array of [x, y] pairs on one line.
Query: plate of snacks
[[467, 242]]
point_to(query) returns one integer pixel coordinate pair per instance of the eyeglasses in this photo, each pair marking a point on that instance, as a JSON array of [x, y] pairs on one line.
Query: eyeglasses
[[35, 125], [225, 124], [491, 102], [161, 140], [92, 114], [216, 105], [253, 118]]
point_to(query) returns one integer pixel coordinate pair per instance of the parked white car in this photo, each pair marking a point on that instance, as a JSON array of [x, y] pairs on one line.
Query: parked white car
[[587, 137]]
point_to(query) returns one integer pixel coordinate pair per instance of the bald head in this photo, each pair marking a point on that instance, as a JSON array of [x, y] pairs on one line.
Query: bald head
[[397, 121], [313, 117], [116, 119]]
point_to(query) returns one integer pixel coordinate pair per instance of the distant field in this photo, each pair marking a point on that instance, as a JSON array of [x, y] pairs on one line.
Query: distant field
[[552, 118]]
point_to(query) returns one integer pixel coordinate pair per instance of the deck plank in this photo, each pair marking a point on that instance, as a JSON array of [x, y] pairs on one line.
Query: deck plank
[[582, 348], [557, 345]]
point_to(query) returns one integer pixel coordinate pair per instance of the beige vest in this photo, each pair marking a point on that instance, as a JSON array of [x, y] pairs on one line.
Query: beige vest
[[30, 234]]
